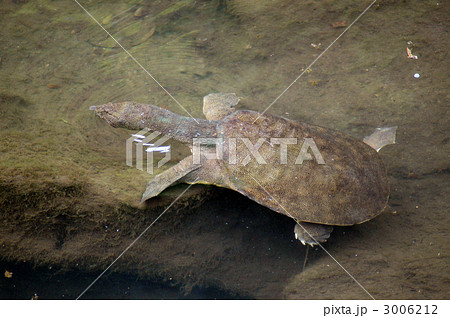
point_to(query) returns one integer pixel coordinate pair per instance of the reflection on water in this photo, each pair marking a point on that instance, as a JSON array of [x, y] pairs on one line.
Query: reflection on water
[[63, 177]]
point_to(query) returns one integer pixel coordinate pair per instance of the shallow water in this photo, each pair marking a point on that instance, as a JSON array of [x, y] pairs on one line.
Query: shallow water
[[69, 201]]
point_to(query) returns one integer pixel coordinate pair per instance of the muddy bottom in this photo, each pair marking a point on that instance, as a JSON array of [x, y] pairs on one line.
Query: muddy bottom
[[243, 250]]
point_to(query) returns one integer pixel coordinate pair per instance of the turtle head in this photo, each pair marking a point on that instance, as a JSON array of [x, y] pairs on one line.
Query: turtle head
[[113, 113], [129, 115], [216, 106], [135, 116]]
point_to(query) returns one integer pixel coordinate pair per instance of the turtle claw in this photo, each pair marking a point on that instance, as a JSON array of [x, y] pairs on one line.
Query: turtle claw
[[312, 234]]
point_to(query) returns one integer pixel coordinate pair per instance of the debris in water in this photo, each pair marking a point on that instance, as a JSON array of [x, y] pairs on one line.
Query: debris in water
[[339, 24], [139, 12], [8, 274], [410, 55], [417, 75], [413, 175], [107, 19]]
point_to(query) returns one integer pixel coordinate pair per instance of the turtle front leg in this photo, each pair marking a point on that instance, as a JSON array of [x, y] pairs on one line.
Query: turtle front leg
[[319, 232], [171, 176]]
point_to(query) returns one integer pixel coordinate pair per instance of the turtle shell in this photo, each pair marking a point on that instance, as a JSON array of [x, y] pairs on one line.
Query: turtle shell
[[350, 188]]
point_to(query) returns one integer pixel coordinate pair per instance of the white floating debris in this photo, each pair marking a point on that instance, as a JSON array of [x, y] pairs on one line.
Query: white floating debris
[[161, 149], [138, 136], [417, 75], [410, 55]]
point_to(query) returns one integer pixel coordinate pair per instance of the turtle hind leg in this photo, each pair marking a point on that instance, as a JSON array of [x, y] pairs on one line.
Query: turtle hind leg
[[319, 232], [381, 137], [171, 176]]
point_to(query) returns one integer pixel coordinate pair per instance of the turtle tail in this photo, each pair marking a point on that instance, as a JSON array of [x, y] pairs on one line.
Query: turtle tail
[[135, 116]]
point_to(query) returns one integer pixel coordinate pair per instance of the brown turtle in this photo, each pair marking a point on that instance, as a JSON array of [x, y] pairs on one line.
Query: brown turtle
[[318, 176]]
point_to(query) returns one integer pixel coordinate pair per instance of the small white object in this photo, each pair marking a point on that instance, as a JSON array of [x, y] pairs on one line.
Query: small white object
[[137, 140], [160, 149], [138, 136], [417, 75]]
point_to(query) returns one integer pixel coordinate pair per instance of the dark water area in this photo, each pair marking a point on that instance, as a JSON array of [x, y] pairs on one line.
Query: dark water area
[[69, 204], [47, 283]]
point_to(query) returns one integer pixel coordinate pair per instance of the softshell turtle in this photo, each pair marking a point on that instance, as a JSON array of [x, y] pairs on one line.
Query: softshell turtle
[[318, 176]]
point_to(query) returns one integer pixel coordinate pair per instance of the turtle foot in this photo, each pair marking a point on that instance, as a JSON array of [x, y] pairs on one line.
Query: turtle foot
[[311, 233], [381, 137], [169, 177]]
